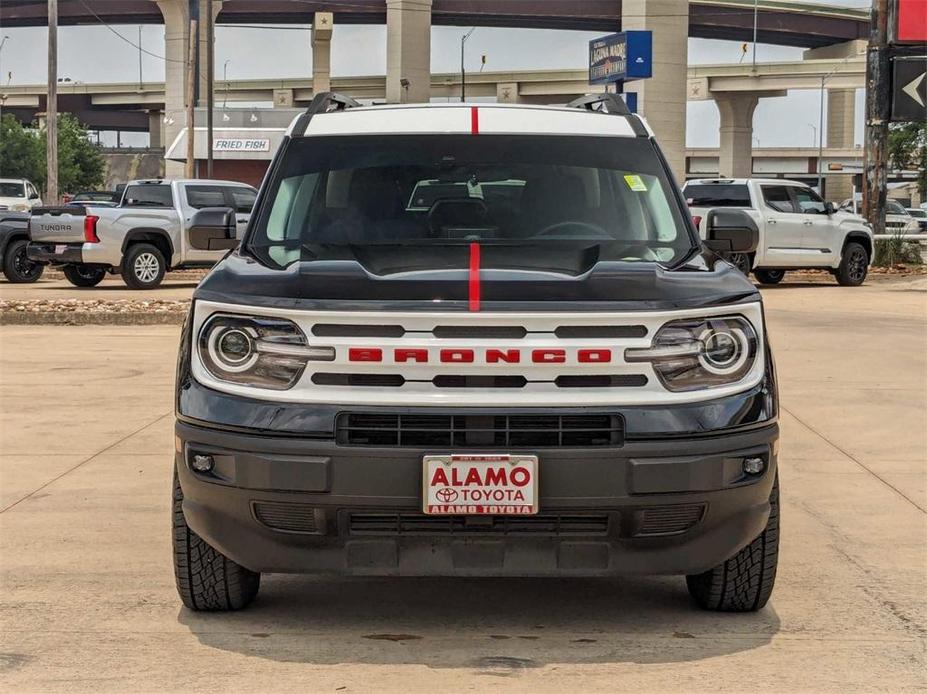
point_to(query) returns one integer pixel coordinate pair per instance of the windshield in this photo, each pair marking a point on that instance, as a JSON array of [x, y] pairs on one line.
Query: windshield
[[413, 202], [12, 190], [893, 207]]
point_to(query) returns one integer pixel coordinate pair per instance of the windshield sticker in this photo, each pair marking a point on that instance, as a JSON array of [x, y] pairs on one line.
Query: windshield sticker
[[635, 183]]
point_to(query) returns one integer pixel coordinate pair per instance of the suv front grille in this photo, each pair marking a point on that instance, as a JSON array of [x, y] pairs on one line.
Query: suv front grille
[[468, 431], [547, 525]]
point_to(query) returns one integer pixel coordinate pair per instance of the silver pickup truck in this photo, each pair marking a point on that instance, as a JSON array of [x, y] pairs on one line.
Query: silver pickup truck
[[143, 237]]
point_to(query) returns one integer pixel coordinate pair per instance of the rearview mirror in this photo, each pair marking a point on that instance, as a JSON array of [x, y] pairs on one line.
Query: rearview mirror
[[213, 229], [731, 231]]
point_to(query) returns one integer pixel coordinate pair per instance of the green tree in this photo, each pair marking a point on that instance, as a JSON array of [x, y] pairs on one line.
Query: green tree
[[907, 149], [21, 151], [81, 164]]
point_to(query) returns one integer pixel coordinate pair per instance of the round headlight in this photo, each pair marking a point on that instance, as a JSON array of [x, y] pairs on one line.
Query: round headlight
[[723, 351], [233, 348]]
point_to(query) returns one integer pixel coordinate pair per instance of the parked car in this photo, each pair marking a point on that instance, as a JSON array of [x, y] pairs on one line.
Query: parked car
[[547, 373], [143, 237], [797, 228], [920, 216], [18, 195], [897, 219], [14, 237]]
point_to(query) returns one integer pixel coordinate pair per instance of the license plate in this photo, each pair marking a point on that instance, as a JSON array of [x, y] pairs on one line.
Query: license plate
[[60, 248], [464, 484]]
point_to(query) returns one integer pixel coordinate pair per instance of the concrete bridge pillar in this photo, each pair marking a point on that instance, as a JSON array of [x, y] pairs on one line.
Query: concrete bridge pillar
[[841, 131], [735, 158], [507, 93], [155, 129], [322, 25], [662, 99], [176, 15], [408, 51]]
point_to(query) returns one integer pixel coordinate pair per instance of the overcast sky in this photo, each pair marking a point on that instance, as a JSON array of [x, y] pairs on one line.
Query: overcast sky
[[96, 54]]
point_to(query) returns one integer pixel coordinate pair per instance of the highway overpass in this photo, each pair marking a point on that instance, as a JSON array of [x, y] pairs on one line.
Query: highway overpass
[[782, 22], [827, 31]]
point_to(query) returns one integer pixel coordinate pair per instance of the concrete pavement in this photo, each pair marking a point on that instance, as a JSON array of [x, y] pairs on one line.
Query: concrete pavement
[[88, 601]]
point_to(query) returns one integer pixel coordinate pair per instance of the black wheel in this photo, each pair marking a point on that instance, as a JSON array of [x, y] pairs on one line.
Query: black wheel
[[84, 275], [143, 266], [206, 579], [745, 581], [769, 276], [854, 266], [17, 267], [742, 261]]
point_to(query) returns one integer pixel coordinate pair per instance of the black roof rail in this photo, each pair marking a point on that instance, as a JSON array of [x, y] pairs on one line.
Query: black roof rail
[[612, 104], [323, 102]]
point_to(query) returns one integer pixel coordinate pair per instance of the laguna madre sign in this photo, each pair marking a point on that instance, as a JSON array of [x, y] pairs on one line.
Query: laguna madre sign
[[621, 57]]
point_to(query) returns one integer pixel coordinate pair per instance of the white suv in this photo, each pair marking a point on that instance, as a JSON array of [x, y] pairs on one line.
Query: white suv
[[18, 195]]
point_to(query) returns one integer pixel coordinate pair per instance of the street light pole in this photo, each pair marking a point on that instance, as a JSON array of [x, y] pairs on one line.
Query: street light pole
[[51, 106], [463, 72], [756, 16]]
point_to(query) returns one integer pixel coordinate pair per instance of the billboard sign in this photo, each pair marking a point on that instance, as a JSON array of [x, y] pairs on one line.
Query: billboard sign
[[621, 57]]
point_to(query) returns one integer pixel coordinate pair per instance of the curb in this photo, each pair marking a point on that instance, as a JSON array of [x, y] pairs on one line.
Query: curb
[[64, 318]]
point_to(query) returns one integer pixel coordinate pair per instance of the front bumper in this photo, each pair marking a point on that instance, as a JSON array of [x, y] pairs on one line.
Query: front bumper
[[308, 505]]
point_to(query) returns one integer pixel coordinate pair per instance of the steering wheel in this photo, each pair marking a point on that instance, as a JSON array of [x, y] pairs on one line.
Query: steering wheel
[[554, 228]]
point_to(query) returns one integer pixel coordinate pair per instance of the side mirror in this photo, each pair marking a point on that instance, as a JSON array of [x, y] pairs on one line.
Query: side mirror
[[830, 208], [213, 229], [731, 231], [34, 196]]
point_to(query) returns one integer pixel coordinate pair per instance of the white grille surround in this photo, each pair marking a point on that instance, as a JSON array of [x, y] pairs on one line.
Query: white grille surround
[[418, 333]]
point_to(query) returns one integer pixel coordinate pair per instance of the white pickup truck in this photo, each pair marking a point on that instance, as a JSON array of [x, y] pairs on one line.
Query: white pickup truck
[[797, 228], [142, 237]]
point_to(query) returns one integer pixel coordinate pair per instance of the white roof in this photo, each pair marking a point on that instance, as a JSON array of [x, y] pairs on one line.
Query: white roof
[[462, 118]]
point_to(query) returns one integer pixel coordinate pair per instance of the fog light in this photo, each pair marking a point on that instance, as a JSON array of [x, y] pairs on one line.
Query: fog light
[[754, 466], [203, 463]]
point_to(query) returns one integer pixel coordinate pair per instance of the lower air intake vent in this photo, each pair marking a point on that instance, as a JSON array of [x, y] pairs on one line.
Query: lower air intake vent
[[291, 518], [469, 431], [420, 524], [669, 520]]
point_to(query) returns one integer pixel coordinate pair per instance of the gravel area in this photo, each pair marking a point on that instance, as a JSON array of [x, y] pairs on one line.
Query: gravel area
[[96, 311]]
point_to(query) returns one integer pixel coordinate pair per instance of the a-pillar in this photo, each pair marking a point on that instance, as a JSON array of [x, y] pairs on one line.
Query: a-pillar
[[322, 25], [841, 133], [662, 98], [155, 130], [408, 51], [176, 15], [735, 157]]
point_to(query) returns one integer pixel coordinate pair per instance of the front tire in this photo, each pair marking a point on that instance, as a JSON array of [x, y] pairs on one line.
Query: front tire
[[744, 582], [854, 266], [17, 267], [143, 266], [207, 580], [769, 276], [84, 275]]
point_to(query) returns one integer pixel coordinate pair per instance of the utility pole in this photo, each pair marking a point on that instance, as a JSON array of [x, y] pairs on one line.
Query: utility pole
[[190, 166], [51, 106], [210, 80], [878, 105]]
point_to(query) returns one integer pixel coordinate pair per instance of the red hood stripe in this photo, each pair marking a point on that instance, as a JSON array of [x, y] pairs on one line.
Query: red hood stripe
[[474, 120], [474, 277]]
